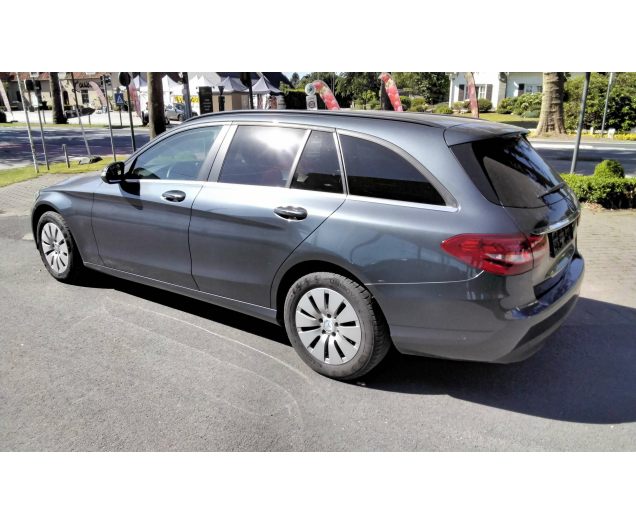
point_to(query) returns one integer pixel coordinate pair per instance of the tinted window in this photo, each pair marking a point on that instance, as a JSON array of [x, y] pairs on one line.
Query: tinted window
[[176, 158], [509, 171], [376, 171], [318, 168], [261, 155]]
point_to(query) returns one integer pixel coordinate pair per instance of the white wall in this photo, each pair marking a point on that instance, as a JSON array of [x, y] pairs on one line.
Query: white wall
[[480, 78], [534, 79]]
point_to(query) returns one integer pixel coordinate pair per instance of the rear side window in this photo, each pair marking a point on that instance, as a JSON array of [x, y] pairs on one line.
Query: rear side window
[[261, 155], [318, 168], [509, 171], [376, 171]]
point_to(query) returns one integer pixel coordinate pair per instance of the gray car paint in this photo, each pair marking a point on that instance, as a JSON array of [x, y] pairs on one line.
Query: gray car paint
[[435, 304]]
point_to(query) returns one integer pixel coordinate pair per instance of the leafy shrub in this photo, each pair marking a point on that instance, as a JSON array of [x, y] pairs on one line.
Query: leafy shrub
[[3, 117], [416, 102], [625, 136], [531, 114], [443, 109], [609, 169], [506, 105], [406, 103], [461, 105], [484, 105], [527, 102], [374, 104]]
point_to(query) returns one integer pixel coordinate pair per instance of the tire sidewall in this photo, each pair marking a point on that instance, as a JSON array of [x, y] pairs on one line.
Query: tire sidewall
[[52, 217], [352, 294]]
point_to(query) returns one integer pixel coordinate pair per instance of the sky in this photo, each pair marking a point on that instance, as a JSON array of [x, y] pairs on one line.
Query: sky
[[300, 73]]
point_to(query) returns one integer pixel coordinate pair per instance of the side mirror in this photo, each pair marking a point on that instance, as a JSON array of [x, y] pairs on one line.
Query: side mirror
[[113, 173]]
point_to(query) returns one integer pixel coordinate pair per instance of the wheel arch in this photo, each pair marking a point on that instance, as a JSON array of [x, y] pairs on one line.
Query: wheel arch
[[38, 211]]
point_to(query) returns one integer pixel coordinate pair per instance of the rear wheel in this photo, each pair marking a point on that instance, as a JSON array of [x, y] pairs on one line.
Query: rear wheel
[[57, 248], [180, 118], [335, 325]]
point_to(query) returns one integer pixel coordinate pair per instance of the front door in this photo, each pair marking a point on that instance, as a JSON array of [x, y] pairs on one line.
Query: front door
[[141, 225], [268, 200]]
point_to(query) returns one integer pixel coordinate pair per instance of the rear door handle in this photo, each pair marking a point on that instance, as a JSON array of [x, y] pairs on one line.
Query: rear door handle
[[173, 196], [293, 213]]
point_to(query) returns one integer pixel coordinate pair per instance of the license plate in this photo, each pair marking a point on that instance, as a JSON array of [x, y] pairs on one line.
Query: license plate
[[560, 239]]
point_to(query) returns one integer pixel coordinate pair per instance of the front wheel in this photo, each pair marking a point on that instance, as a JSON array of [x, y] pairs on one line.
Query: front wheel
[[57, 248], [335, 325]]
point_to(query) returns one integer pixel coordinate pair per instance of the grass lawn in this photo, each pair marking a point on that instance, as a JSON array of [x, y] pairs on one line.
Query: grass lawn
[[513, 120], [19, 174]]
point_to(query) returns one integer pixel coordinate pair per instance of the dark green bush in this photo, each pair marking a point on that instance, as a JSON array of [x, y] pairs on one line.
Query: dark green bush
[[506, 105], [416, 102], [406, 103], [531, 114], [374, 104], [444, 109], [608, 191], [527, 102], [459, 105], [609, 169], [484, 105]]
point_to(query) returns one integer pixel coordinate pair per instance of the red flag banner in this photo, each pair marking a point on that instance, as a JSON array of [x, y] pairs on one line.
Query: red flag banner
[[326, 95], [99, 93], [391, 90], [472, 92], [135, 97]]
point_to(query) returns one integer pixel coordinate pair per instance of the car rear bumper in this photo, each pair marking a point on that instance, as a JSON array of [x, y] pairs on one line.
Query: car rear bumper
[[478, 319]]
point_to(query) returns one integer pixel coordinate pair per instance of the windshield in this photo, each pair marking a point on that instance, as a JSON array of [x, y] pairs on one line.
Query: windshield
[[517, 175]]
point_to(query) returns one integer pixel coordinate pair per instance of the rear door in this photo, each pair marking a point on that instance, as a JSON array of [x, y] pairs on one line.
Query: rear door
[[141, 225], [509, 172], [274, 186]]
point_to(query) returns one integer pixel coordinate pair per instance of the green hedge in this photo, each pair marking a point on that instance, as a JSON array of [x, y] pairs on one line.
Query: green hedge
[[527, 102], [444, 110], [606, 187], [406, 103], [484, 105], [506, 105]]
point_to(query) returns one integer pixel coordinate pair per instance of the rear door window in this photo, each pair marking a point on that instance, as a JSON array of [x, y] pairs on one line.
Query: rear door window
[[261, 155], [319, 168], [509, 171], [374, 170]]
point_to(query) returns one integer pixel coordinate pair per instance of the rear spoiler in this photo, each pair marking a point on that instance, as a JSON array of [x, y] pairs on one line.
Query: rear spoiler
[[480, 130]]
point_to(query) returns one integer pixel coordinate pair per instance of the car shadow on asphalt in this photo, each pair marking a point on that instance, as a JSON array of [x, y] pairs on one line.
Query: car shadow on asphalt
[[185, 304], [585, 373]]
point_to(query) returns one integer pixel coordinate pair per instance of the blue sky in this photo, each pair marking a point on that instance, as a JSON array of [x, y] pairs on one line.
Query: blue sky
[[300, 73]]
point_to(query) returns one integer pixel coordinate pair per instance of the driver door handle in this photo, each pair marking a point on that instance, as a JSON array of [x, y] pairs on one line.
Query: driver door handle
[[173, 196], [293, 213]]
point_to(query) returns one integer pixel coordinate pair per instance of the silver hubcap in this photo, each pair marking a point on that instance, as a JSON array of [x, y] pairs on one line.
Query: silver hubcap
[[328, 326], [54, 247]]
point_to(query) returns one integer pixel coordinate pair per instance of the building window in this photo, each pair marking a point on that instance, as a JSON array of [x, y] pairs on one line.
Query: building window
[[534, 89], [85, 99], [481, 90]]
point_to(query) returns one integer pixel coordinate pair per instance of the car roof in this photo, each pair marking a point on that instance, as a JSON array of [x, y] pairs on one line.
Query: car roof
[[464, 129]]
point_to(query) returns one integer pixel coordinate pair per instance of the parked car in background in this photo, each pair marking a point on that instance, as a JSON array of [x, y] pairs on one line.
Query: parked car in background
[[72, 113], [145, 116], [176, 111], [444, 236]]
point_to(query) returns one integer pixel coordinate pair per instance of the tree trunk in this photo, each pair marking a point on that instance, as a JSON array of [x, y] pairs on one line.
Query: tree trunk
[[58, 110], [551, 119], [156, 111]]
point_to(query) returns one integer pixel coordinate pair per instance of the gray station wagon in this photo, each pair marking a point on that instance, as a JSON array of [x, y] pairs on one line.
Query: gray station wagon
[[445, 236]]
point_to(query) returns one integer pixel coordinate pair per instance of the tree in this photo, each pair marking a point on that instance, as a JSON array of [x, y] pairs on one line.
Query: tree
[[294, 79], [156, 112], [551, 118], [58, 109], [433, 87], [355, 84]]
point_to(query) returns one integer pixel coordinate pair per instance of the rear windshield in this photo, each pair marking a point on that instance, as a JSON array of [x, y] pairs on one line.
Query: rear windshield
[[508, 171]]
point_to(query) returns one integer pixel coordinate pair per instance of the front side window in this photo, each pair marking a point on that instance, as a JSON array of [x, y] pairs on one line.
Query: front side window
[[261, 155], [319, 168], [374, 170], [179, 157]]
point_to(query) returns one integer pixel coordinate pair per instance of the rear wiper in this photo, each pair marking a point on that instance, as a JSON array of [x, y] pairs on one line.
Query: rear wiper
[[553, 189]]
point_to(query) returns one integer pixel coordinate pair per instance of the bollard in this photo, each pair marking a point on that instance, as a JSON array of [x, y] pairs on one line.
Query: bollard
[[66, 155]]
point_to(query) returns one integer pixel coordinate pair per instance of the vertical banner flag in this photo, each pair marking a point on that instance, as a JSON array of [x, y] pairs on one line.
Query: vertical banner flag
[[472, 92], [391, 90], [5, 100], [326, 95], [99, 93], [135, 97]]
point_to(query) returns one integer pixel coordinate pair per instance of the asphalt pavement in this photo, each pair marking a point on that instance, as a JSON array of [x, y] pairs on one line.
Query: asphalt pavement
[[113, 365], [15, 150]]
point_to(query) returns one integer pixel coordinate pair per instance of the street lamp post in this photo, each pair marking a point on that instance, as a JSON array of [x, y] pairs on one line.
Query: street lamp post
[[579, 131], [609, 86]]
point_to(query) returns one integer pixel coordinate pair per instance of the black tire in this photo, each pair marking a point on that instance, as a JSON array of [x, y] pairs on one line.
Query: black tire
[[74, 268], [180, 118], [375, 341]]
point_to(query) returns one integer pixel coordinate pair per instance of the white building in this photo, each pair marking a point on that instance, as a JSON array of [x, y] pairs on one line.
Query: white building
[[497, 86]]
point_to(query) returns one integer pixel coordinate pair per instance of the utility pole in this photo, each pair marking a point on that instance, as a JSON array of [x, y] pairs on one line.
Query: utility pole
[[26, 114], [609, 86], [46, 157], [88, 150], [110, 126], [580, 128]]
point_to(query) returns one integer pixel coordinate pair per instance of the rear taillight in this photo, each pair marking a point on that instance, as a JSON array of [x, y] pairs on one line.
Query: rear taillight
[[499, 254]]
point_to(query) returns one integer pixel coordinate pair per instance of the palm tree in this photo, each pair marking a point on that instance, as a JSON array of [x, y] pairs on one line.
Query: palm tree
[[156, 111], [551, 118], [58, 110]]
